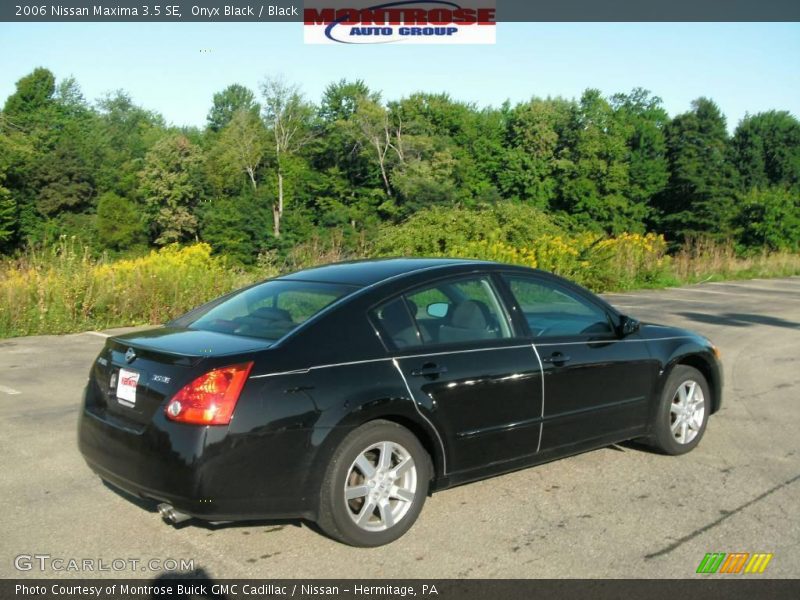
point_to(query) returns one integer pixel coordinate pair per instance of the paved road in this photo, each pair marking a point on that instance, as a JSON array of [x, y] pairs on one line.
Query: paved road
[[615, 512]]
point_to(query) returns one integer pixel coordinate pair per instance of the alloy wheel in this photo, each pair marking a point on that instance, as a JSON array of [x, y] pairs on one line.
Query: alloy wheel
[[380, 486], [687, 412]]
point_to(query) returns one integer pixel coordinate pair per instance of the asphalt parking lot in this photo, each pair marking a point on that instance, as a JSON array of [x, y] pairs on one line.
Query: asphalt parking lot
[[616, 512]]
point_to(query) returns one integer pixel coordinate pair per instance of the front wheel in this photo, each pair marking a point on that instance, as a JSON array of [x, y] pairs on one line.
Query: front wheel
[[375, 485], [682, 414]]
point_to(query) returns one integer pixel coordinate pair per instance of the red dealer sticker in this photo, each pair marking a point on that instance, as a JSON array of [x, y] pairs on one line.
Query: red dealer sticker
[[126, 387], [402, 21]]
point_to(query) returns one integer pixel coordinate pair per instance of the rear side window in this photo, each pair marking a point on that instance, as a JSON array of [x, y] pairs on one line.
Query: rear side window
[[455, 311], [396, 324], [550, 310], [270, 310]]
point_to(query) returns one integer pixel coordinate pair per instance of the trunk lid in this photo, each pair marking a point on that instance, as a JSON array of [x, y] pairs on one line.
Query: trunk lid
[[137, 373]]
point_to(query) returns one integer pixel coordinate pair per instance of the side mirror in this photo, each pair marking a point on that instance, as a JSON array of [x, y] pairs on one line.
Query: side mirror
[[437, 310], [627, 325]]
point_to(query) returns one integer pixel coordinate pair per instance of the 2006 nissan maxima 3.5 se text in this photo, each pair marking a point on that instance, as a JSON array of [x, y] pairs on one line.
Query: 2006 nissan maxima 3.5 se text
[[345, 394]]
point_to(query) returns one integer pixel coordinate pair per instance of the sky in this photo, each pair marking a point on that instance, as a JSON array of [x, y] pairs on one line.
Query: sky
[[175, 68]]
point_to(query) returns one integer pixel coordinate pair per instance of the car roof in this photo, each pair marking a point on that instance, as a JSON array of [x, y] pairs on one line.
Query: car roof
[[369, 272]]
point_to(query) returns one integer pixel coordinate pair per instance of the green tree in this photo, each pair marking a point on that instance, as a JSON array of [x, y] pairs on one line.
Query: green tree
[[228, 102], [65, 176], [535, 134], [8, 216], [28, 105], [119, 223], [340, 100], [770, 218], [15, 152], [346, 189], [239, 149], [767, 149], [648, 168], [172, 188], [126, 133], [235, 227], [435, 127], [594, 169], [700, 198], [378, 136], [426, 182], [287, 116]]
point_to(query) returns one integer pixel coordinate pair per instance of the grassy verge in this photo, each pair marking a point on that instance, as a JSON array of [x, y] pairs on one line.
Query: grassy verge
[[63, 289]]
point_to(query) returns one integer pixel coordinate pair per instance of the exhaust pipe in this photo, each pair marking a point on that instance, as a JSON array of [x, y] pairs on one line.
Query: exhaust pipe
[[172, 516]]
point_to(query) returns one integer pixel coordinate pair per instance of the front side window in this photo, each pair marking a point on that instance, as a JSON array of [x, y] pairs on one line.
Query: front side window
[[551, 310], [449, 312], [270, 310]]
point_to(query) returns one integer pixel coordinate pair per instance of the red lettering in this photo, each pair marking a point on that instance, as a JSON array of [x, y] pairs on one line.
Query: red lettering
[[416, 17], [312, 16], [465, 16], [395, 16], [402, 16], [372, 17], [439, 16], [348, 16], [486, 16]]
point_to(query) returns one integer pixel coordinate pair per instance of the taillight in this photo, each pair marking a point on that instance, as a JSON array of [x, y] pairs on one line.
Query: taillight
[[211, 398]]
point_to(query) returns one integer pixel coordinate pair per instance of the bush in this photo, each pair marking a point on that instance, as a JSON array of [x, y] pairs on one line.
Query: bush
[[439, 231], [770, 218], [599, 263]]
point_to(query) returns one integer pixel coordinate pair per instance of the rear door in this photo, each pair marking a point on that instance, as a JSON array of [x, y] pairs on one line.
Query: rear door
[[466, 370], [597, 384]]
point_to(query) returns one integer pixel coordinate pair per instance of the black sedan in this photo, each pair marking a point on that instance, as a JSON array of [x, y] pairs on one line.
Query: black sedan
[[345, 394]]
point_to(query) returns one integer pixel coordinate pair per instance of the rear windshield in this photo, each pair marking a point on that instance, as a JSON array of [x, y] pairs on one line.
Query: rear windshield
[[270, 310]]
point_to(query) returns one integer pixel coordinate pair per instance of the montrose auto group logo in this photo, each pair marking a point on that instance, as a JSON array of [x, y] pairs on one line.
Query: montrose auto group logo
[[399, 21]]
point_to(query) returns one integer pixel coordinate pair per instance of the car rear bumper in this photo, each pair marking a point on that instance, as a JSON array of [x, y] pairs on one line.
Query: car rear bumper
[[197, 470]]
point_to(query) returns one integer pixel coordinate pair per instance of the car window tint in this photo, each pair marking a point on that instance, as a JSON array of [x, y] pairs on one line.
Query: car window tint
[[396, 326], [270, 310], [455, 311], [554, 311], [301, 304]]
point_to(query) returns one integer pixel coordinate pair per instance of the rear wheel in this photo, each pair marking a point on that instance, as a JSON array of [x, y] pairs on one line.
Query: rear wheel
[[375, 485], [682, 415]]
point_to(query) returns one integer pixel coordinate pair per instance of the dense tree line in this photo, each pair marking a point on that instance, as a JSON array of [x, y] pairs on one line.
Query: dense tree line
[[272, 170]]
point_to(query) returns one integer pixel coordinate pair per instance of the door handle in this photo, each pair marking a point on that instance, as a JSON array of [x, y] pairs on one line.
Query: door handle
[[556, 358], [431, 370]]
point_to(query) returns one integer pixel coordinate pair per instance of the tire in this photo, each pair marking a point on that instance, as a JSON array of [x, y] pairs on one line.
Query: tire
[[395, 496], [682, 416]]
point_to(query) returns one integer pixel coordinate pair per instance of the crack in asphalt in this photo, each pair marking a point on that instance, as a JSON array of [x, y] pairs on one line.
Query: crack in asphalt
[[727, 515]]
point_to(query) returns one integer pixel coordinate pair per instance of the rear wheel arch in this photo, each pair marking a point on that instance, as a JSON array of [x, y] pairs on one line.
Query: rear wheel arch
[[400, 416], [384, 410], [428, 440]]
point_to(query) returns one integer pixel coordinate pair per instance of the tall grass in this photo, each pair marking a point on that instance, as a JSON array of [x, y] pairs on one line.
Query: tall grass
[[63, 289], [704, 260]]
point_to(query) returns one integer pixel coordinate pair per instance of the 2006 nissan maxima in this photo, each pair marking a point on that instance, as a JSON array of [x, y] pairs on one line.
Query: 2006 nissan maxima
[[345, 394]]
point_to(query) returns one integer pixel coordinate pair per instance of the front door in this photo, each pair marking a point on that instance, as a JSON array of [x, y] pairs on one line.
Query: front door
[[597, 384]]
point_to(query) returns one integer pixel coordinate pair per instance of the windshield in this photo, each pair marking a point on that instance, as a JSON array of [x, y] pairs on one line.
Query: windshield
[[270, 310]]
